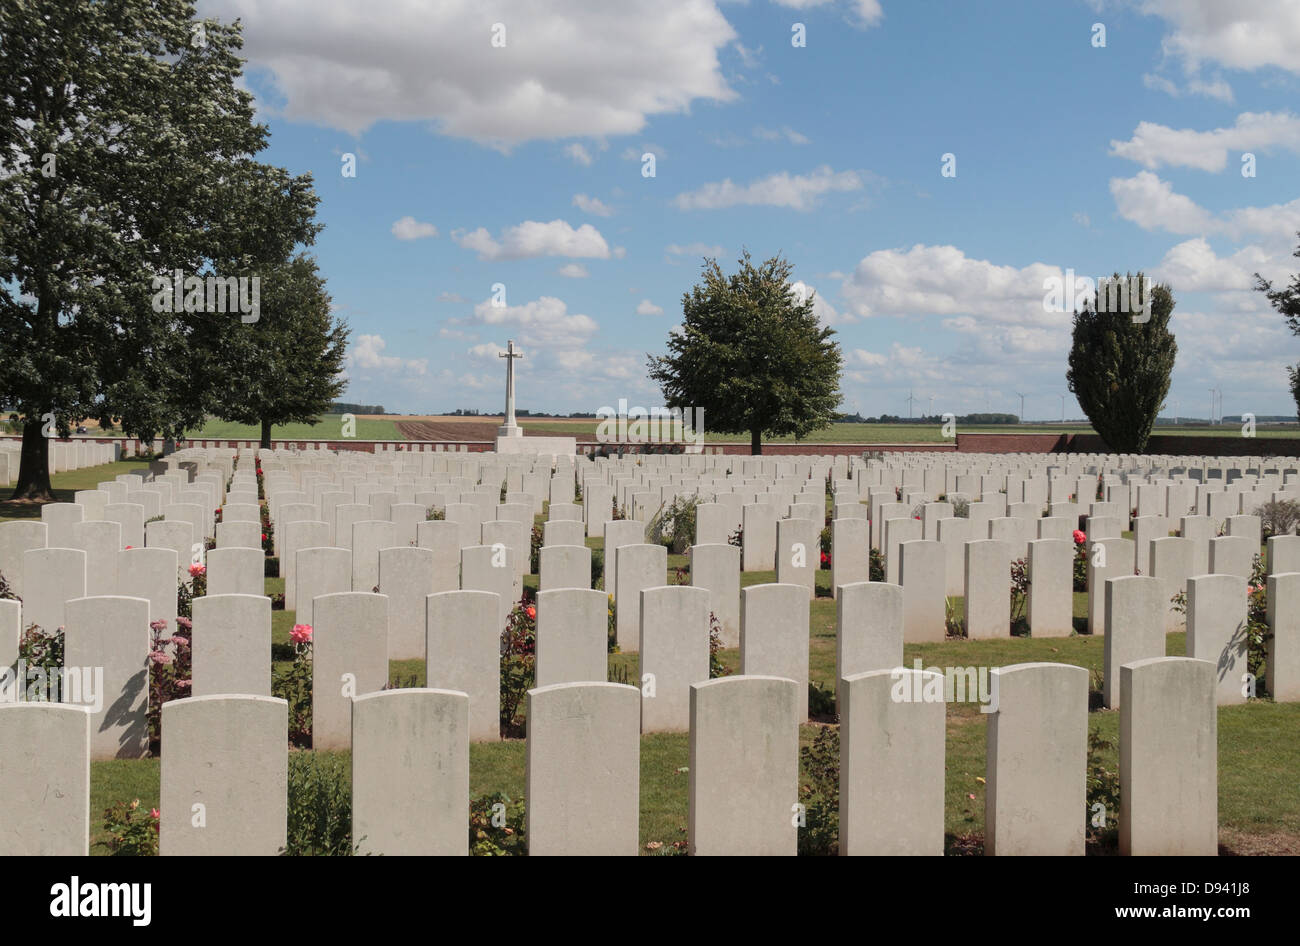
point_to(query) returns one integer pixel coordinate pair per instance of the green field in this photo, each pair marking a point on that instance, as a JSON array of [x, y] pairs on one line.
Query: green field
[[329, 427], [908, 433]]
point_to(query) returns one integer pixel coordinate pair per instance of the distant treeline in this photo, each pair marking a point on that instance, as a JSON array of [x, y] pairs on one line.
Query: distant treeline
[[340, 407]]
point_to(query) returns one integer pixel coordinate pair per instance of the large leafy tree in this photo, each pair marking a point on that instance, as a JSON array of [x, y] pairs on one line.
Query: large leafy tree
[[286, 366], [751, 354], [1120, 365], [1287, 303], [180, 372], [125, 152]]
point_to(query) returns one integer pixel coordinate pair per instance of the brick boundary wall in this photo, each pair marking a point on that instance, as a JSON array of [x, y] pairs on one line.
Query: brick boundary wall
[[1172, 445], [1197, 445]]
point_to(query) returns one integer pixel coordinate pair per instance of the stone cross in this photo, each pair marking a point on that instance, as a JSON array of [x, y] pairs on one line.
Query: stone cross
[[510, 428]]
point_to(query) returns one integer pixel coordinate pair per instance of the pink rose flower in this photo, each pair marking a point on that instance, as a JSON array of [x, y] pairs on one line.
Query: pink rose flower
[[301, 634], [197, 570], [1079, 537]]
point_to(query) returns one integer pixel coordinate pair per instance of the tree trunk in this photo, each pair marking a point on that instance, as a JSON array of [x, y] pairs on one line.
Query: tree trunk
[[34, 467], [756, 442], [266, 435]]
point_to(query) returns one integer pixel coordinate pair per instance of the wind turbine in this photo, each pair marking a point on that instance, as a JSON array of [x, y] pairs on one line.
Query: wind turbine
[[910, 401], [1062, 397], [1021, 417], [931, 413]]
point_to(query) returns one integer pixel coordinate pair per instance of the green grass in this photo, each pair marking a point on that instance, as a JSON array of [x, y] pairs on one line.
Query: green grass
[[906, 433], [328, 427], [65, 485], [1259, 796]]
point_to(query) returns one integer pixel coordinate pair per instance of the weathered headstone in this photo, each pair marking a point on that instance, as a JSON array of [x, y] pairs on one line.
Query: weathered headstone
[[225, 776], [564, 566], [1282, 671], [1135, 626], [236, 571], [1168, 758], [410, 772], [869, 629], [716, 569], [51, 577], [572, 636], [490, 568], [1036, 760], [988, 599], [674, 651], [349, 659], [231, 638], [464, 654], [922, 577], [111, 633], [1049, 603], [639, 567], [45, 779], [584, 765], [16, 538], [892, 763], [744, 766], [798, 553], [1216, 631], [406, 578]]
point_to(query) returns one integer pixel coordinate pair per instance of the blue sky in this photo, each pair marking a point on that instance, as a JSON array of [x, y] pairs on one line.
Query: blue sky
[[522, 165]]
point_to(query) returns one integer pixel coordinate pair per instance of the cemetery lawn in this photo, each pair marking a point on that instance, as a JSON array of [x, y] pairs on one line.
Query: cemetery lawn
[[65, 485], [1259, 806], [1259, 802]]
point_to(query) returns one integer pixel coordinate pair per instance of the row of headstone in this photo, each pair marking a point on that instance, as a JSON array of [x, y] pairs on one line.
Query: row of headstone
[[225, 767]]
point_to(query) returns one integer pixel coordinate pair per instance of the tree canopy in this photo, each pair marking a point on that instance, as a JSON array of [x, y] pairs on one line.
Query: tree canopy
[[1120, 364], [284, 367], [1287, 303], [751, 354], [126, 151]]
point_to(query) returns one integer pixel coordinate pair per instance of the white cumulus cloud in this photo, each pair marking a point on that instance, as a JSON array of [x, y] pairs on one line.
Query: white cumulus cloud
[[366, 355], [592, 205], [1154, 145], [532, 239], [408, 228], [795, 191], [347, 65]]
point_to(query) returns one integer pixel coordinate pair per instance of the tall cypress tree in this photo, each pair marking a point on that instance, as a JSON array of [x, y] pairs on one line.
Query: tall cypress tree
[[1120, 365]]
